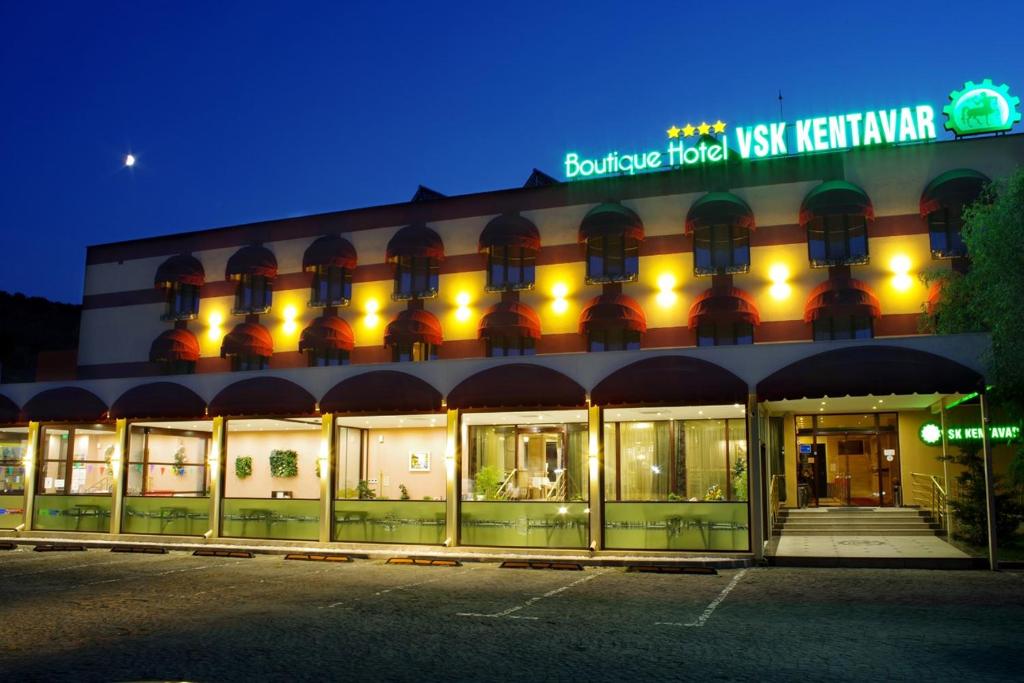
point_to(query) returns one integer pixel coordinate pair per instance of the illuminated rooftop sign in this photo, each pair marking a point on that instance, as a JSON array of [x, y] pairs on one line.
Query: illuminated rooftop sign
[[931, 433], [975, 109]]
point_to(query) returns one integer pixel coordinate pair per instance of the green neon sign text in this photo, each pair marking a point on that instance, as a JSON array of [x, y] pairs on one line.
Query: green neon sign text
[[931, 433]]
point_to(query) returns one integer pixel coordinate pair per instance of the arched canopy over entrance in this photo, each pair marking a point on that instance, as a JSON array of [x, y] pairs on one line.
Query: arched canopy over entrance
[[263, 396], [868, 371], [65, 404], [382, 391], [670, 380], [159, 400], [517, 385]]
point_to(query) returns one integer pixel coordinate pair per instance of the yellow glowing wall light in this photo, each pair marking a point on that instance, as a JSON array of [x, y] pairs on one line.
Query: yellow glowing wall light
[[667, 296], [290, 313], [462, 312], [559, 292], [215, 330], [900, 266], [371, 308], [779, 275]]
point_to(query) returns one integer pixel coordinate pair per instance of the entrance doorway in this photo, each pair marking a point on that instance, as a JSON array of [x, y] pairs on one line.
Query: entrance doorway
[[541, 464], [848, 460]]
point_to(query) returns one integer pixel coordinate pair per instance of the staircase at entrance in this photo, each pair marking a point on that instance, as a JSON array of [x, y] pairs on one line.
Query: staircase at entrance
[[840, 521]]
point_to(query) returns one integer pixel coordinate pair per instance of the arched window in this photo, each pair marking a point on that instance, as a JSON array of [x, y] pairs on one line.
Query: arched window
[[175, 352], [942, 204], [613, 322], [249, 347], [612, 234], [510, 328], [511, 243], [836, 215], [180, 277], [254, 269], [416, 252], [724, 316], [842, 308], [327, 341], [331, 259], [413, 336], [720, 223]]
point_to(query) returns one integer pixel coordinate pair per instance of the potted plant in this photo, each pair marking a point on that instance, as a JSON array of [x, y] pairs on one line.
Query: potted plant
[[364, 491], [487, 482], [179, 462], [405, 492]]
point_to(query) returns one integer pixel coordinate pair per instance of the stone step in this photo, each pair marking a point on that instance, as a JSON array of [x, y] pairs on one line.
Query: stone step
[[879, 525], [854, 516], [873, 531]]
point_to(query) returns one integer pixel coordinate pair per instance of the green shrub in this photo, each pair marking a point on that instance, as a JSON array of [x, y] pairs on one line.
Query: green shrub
[[488, 479], [243, 466], [284, 464]]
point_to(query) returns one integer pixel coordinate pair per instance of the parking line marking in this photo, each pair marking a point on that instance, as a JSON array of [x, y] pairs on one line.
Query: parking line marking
[[64, 569], [712, 606], [405, 586], [551, 593]]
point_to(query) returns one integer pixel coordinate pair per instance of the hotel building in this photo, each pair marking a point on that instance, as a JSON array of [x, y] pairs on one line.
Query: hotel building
[[643, 363]]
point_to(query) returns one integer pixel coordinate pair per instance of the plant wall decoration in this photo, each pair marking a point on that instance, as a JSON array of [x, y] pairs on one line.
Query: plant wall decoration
[[284, 464], [243, 466]]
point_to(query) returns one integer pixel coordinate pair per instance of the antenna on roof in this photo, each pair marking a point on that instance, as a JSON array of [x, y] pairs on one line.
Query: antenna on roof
[[425, 194], [539, 179]]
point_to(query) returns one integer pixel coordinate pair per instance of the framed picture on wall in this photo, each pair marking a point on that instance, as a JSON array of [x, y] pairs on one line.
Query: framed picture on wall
[[419, 461]]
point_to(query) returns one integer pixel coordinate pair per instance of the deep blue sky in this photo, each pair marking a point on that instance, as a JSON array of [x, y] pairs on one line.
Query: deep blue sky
[[242, 111]]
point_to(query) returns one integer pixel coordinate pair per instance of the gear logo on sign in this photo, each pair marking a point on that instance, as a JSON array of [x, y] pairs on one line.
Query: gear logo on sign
[[930, 433], [981, 108]]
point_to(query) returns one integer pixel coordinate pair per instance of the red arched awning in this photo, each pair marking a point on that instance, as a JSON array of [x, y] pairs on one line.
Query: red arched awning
[[934, 296], [953, 188], [183, 269], [247, 339], [413, 325], [328, 251], [65, 404], [611, 219], [510, 319], [9, 412], [717, 208], [159, 400], [251, 260], [835, 196], [868, 371], [263, 396], [517, 385], [174, 345], [510, 230], [670, 381], [327, 333], [415, 240], [612, 312], [381, 391], [841, 297], [724, 305]]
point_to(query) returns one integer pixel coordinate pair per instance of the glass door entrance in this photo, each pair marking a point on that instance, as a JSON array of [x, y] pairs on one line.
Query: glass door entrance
[[847, 460], [541, 471]]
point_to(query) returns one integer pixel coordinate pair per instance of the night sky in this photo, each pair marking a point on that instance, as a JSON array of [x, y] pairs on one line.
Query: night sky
[[244, 111]]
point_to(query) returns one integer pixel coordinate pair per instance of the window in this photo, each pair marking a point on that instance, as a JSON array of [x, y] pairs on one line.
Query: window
[[13, 443], [510, 346], [178, 367], [248, 361], [253, 294], [510, 268], [413, 352], [828, 328], [332, 286], [415, 277], [612, 258], [182, 302], [837, 239], [613, 340], [319, 358], [721, 249], [724, 333], [944, 230], [77, 461]]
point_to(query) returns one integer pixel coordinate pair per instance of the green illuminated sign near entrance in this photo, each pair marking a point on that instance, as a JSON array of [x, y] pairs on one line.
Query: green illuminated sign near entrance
[[978, 108], [931, 433], [981, 108]]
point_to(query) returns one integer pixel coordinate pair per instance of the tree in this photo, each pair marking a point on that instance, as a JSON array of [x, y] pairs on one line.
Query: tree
[[989, 295], [970, 507]]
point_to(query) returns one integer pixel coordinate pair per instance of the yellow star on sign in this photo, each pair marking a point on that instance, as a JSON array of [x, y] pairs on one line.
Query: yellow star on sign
[[673, 132], [719, 126], [704, 128], [688, 130]]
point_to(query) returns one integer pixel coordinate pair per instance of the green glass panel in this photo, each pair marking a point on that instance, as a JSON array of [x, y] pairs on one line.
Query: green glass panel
[[72, 513], [12, 511], [389, 521], [525, 525], [164, 515], [676, 526], [287, 520]]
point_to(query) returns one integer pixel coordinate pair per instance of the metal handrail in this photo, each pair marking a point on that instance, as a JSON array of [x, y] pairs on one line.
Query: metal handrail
[[927, 492], [773, 497]]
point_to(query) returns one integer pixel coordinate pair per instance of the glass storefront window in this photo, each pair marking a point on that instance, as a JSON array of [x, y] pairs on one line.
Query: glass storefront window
[[13, 443], [76, 460]]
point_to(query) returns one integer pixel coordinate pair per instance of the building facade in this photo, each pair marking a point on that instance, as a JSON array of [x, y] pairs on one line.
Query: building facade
[[637, 363]]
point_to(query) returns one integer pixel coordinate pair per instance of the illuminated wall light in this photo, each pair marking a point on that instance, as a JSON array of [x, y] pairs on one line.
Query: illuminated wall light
[[372, 308], [900, 266], [560, 291], [290, 314], [214, 332], [462, 313], [779, 274], [666, 294]]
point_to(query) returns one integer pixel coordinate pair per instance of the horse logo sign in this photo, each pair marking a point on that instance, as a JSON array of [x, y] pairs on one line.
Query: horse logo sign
[[981, 108]]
